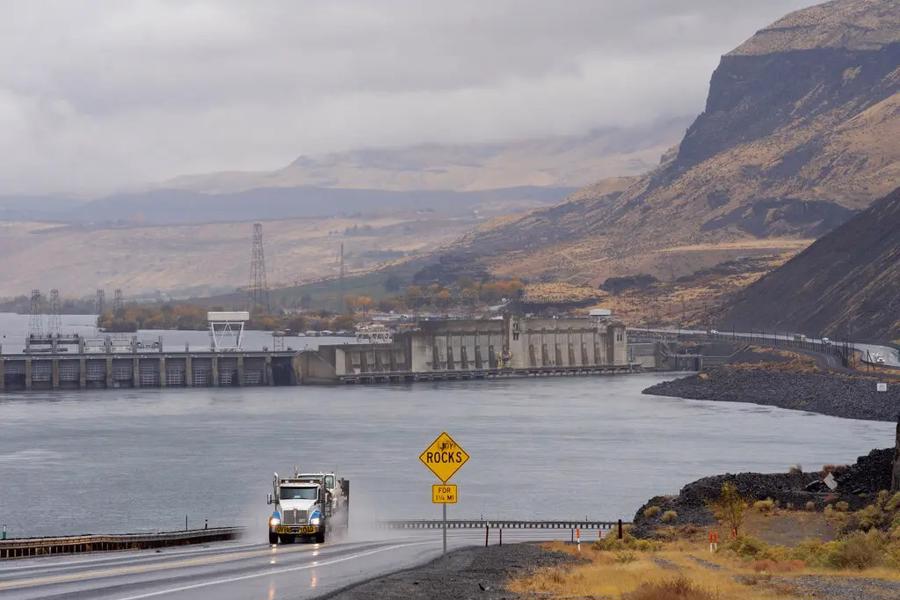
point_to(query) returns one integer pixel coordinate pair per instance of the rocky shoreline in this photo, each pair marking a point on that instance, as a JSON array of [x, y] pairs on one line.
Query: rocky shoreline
[[834, 394], [856, 485]]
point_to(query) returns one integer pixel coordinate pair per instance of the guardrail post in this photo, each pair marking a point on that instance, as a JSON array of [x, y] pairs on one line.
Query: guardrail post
[[501, 536], [620, 533], [487, 530]]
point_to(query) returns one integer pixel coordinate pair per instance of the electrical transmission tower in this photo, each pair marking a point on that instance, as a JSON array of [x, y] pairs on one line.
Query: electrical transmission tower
[[100, 302], [259, 288], [118, 303], [36, 322], [341, 306], [54, 323]]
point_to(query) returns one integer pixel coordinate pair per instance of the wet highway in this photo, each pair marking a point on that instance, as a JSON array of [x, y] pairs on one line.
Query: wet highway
[[230, 570]]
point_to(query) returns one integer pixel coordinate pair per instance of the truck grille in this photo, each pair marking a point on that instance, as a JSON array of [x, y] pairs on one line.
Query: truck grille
[[295, 516]]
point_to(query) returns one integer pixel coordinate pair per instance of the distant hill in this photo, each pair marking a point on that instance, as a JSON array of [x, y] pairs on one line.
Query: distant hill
[[847, 283], [181, 206], [553, 161], [801, 130]]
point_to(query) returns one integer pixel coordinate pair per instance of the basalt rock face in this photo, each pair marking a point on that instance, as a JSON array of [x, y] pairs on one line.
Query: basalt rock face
[[801, 130], [856, 485]]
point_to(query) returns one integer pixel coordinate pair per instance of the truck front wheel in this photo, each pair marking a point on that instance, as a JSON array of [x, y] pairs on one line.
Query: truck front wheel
[[320, 536], [273, 537]]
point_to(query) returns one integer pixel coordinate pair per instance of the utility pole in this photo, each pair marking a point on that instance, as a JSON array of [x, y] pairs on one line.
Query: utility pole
[[259, 287]]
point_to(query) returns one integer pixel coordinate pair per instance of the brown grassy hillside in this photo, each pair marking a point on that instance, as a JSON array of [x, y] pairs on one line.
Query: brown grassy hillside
[[801, 130], [846, 283]]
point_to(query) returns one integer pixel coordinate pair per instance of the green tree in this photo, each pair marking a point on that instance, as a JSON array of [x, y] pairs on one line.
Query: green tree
[[729, 507]]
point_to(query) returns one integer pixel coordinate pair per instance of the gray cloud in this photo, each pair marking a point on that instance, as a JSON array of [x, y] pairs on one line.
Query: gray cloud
[[103, 95]]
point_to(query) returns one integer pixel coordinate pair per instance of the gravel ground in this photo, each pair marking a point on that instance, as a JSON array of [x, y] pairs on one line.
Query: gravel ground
[[842, 588], [461, 575], [838, 395]]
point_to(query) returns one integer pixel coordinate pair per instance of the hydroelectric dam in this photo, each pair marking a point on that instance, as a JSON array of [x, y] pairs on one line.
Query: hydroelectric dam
[[427, 350]]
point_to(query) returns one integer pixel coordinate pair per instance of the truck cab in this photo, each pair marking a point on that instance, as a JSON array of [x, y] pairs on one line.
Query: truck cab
[[306, 504]]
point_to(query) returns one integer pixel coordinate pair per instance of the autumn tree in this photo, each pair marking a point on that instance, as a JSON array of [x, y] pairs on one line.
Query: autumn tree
[[729, 507]]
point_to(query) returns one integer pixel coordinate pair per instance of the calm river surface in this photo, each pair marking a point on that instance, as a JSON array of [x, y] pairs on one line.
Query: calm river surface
[[121, 460]]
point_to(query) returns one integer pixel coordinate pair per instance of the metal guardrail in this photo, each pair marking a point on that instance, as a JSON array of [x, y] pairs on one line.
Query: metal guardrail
[[45, 546]]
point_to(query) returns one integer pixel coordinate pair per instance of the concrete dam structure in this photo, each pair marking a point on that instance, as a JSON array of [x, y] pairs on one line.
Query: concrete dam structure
[[427, 350], [476, 348], [72, 362]]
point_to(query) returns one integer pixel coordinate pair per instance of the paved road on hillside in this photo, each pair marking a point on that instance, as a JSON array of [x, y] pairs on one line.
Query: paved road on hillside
[[890, 355]]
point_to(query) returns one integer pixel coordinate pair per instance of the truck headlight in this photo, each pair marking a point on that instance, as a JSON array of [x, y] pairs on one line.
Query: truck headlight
[[273, 521], [314, 521]]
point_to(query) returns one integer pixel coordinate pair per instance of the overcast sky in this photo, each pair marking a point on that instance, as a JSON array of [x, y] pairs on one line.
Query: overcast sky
[[97, 96]]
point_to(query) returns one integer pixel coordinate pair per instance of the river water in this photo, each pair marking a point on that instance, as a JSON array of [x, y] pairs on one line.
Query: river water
[[121, 460]]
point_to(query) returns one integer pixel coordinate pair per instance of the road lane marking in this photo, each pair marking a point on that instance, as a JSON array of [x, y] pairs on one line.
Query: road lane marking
[[126, 555], [161, 566], [314, 565]]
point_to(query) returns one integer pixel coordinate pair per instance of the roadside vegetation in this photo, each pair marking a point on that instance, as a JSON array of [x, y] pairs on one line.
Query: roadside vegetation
[[857, 550]]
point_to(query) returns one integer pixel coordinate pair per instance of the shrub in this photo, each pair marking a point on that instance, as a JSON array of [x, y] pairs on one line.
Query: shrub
[[764, 506], [815, 552], [629, 542], [893, 503], [680, 588], [796, 470], [810, 506], [624, 557], [841, 506], [871, 517], [859, 551], [651, 511], [748, 547], [670, 516]]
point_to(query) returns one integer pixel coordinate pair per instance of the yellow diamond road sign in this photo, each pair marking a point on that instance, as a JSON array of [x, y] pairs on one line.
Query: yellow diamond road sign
[[444, 457]]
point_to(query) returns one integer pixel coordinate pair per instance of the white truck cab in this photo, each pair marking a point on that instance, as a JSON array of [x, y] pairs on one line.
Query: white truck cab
[[306, 505]]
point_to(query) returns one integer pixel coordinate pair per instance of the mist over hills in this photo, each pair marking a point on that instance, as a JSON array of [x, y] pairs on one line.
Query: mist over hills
[[801, 130], [553, 161]]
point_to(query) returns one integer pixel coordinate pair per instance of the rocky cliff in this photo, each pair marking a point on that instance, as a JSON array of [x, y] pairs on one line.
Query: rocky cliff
[[801, 129]]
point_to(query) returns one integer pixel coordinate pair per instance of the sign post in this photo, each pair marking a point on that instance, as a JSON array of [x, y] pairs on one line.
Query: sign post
[[444, 457]]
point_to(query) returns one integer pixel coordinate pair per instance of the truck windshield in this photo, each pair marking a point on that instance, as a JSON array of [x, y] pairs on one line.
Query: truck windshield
[[298, 493]]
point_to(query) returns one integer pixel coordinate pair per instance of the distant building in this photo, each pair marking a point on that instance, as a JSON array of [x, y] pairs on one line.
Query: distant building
[[473, 347]]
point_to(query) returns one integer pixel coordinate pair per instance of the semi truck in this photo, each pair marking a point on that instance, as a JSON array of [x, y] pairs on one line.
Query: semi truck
[[307, 505]]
